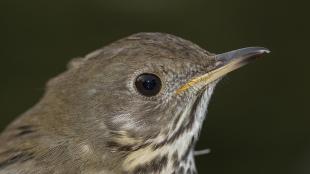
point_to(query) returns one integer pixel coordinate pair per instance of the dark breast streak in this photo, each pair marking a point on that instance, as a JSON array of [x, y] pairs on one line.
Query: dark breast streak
[[154, 166], [15, 155], [19, 157]]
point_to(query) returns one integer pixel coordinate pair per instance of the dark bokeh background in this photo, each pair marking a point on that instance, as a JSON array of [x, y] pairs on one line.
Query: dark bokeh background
[[258, 121]]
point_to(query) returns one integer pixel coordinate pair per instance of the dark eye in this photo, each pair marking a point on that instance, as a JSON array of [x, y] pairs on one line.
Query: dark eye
[[148, 84]]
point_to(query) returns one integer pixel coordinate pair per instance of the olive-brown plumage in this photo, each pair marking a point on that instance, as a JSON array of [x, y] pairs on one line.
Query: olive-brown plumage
[[134, 106]]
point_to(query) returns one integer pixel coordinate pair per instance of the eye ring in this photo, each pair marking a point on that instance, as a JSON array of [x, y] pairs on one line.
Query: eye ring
[[148, 84]]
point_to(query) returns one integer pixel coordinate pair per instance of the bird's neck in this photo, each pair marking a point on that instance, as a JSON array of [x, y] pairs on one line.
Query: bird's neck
[[176, 153]]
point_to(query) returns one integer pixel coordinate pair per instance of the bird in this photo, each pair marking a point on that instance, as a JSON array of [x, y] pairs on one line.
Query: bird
[[135, 106]]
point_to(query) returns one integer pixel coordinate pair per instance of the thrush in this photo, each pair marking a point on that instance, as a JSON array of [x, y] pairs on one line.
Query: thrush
[[135, 106]]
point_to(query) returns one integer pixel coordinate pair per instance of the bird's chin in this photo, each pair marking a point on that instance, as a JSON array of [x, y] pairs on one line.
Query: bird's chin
[[205, 87], [202, 101]]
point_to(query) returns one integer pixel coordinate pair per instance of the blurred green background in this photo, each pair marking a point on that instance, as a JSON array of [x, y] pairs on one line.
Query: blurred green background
[[258, 122]]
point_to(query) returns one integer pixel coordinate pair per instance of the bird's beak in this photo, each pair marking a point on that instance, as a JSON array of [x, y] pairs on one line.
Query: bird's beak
[[225, 63]]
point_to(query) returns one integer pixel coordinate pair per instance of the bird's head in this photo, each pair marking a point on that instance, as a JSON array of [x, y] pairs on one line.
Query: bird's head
[[149, 89]]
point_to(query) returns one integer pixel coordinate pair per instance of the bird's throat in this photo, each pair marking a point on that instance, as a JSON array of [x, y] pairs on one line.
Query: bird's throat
[[175, 153]]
